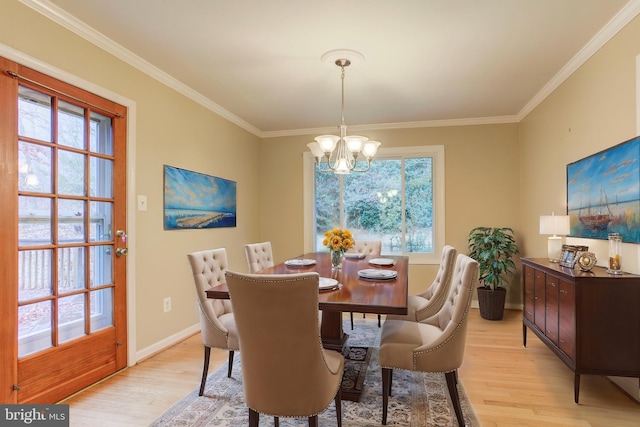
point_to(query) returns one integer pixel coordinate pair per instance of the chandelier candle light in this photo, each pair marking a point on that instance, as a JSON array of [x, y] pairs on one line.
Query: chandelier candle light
[[554, 224], [341, 153]]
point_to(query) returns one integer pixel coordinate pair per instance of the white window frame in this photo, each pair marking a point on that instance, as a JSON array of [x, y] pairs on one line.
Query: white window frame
[[434, 151]]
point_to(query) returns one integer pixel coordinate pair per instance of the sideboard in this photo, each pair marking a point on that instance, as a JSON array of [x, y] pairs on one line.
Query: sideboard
[[589, 319]]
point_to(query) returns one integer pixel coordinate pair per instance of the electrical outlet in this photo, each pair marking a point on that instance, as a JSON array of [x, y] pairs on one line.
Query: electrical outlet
[[167, 304]]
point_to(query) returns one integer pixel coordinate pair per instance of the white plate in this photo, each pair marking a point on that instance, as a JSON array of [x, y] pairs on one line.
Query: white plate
[[373, 274], [381, 261], [299, 262], [354, 255], [327, 284]]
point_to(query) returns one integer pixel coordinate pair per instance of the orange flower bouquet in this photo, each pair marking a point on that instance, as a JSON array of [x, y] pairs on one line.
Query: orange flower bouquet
[[338, 241]]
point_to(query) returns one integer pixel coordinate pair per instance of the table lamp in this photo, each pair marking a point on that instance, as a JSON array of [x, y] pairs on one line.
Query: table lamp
[[554, 224]]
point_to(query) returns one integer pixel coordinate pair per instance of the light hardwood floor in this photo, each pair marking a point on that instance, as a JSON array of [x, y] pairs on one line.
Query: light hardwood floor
[[508, 385]]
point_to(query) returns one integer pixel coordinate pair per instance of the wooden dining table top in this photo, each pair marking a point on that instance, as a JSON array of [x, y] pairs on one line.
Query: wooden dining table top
[[355, 293]]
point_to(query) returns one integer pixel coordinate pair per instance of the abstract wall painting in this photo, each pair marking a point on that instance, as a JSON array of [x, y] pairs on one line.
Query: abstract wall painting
[[197, 200], [603, 193]]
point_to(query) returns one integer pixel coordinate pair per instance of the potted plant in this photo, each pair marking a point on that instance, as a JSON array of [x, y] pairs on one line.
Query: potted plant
[[494, 249]]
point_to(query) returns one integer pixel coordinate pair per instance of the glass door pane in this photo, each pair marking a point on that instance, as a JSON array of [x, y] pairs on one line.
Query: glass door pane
[[65, 221]]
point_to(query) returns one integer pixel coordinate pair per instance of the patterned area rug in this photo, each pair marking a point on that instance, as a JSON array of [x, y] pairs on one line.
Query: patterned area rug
[[417, 400]]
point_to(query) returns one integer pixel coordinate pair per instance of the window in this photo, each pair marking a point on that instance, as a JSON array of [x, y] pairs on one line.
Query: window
[[400, 201]]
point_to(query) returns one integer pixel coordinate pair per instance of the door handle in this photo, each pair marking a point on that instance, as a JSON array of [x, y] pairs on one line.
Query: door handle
[[121, 251]]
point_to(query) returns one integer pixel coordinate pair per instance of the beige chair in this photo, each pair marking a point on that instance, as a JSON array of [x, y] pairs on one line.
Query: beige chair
[[367, 247], [370, 248], [434, 345], [429, 302], [285, 370], [259, 256], [217, 324]]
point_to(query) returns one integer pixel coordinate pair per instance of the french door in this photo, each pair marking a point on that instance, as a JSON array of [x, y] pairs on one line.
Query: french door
[[62, 237]]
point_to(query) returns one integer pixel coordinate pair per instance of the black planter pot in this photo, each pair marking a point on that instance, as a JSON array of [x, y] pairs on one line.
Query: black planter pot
[[491, 302]]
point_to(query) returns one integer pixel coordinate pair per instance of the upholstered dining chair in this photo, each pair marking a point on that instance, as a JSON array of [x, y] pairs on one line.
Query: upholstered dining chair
[[369, 248], [434, 345], [217, 324], [426, 304], [259, 256], [285, 370]]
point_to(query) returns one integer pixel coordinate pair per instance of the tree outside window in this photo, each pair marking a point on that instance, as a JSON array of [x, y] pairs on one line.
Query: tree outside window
[[392, 202]]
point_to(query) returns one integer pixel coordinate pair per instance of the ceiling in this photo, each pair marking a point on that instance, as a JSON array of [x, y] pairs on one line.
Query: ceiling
[[426, 62]]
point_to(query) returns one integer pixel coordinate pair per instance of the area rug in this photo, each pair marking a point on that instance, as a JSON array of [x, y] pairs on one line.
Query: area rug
[[417, 400]]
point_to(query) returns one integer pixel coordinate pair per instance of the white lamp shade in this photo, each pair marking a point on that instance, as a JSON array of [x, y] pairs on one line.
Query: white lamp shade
[[315, 149], [370, 148], [342, 168], [555, 224], [355, 142], [327, 142]]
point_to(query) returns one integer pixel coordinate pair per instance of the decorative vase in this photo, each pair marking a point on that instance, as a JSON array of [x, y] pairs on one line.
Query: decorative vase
[[336, 259], [615, 248]]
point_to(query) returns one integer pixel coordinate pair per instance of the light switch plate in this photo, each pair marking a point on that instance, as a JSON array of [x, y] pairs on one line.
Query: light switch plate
[[142, 202]]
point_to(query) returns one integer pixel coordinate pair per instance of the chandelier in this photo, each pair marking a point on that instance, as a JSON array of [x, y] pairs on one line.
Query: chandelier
[[340, 154]]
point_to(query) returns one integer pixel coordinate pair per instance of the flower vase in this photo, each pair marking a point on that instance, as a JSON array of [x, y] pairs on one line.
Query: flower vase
[[336, 260]]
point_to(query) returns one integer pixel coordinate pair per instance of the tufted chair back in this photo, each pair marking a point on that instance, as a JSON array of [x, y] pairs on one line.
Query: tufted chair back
[[217, 324], [428, 303], [367, 247], [285, 370], [439, 289], [259, 256]]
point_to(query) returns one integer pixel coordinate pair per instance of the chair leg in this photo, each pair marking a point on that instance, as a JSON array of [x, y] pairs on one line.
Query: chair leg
[[338, 400], [254, 418], [386, 387], [313, 421], [453, 393], [276, 421], [379, 320], [351, 313], [230, 364], [205, 369]]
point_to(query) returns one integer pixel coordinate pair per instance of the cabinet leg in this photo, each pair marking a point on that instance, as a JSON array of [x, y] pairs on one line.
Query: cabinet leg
[[576, 388], [524, 335]]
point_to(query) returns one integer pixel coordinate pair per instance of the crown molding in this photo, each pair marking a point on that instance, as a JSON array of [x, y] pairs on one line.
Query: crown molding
[[59, 16], [606, 33], [400, 125]]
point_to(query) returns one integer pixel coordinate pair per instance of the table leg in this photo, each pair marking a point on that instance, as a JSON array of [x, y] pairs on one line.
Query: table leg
[[333, 336]]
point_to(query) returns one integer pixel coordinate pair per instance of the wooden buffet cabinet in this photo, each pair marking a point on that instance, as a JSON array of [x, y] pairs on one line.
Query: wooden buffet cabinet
[[590, 320]]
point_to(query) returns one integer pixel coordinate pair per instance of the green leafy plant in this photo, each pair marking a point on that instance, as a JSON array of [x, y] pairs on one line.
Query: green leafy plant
[[494, 249]]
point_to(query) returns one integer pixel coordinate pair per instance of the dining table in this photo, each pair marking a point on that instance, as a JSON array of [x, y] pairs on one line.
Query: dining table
[[383, 294]]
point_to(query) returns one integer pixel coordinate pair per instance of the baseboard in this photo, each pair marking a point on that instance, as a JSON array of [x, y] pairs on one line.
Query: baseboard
[[630, 385], [167, 342]]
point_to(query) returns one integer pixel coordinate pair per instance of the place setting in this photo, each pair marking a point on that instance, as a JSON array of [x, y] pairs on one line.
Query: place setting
[[300, 262], [353, 255], [328, 284], [382, 262]]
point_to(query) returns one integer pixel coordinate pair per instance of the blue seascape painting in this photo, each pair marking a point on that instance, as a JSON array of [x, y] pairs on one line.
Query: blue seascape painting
[[196, 200], [603, 193]]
